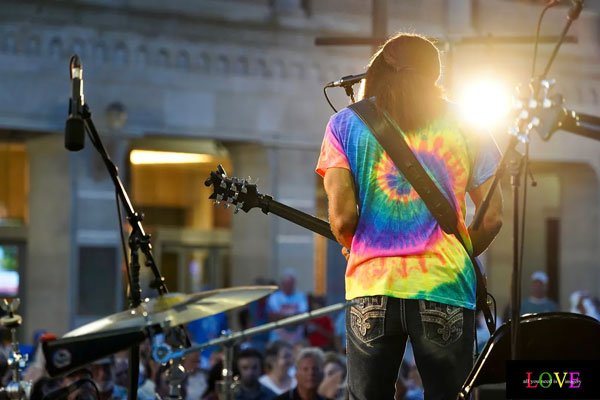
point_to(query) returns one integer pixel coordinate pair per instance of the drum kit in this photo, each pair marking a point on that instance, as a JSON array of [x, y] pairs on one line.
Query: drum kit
[[128, 329]]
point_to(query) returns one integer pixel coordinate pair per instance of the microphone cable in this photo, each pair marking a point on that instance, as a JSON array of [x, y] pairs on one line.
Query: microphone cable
[[327, 98]]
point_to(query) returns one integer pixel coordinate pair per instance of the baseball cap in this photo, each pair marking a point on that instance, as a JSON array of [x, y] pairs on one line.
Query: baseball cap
[[539, 276]]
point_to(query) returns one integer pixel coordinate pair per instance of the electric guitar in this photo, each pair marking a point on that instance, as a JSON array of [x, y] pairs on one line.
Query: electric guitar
[[244, 196]]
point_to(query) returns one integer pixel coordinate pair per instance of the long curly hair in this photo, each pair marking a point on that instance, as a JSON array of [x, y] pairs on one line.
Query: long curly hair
[[402, 76]]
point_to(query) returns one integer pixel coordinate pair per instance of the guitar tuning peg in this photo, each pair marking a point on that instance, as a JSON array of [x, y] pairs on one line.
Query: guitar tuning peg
[[230, 200], [226, 205], [223, 184], [238, 206], [218, 199], [243, 189], [233, 187]]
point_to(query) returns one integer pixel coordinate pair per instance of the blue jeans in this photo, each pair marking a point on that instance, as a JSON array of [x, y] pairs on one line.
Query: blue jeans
[[377, 328]]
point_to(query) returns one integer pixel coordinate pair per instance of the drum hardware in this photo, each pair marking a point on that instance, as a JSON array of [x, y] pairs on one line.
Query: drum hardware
[[17, 389], [228, 386], [120, 331]]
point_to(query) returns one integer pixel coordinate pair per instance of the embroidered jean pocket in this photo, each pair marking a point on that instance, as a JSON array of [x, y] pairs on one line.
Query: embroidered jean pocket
[[442, 323], [367, 318]]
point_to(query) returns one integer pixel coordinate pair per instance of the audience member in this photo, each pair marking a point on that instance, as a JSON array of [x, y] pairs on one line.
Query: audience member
[[334, 374], [249, 365], [309, 374], [581, 303], [103, 374], [86, 391], [538, 302], [196, 381], [286, 302], [205, 329], [339, 330], [214, 376], [319, 330], [257, 314], [278, 361]]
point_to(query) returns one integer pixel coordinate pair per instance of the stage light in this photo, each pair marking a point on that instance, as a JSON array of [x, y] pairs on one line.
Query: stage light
[[138, 157], [485, 103]]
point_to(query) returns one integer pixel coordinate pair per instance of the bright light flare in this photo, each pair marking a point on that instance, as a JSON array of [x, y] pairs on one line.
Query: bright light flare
[[485, 103], [138, 157]]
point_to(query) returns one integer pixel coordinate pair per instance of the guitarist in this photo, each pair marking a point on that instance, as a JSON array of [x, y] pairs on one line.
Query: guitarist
[[409, 278]]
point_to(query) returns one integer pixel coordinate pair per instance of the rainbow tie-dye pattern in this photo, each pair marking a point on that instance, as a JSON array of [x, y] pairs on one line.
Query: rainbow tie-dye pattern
[[398, 248]]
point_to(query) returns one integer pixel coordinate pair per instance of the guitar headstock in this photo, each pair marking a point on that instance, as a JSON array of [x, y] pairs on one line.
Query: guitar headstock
[[233, 191]]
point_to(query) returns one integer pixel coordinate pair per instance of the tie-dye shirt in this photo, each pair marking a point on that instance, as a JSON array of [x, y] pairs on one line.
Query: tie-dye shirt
[[398, 248]]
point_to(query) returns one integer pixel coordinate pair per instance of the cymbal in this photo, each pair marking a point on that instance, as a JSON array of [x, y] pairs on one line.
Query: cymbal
[[173, 309]]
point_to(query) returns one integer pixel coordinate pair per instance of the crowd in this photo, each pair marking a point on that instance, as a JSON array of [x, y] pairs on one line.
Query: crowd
[[305, 361]]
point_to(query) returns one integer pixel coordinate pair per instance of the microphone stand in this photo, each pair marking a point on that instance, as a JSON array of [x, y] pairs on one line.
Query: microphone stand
[[514, 159], [138, 241]]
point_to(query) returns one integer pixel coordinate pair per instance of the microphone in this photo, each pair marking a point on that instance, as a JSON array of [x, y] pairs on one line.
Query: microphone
[[75, 127], [67, 390], [575, 10], [348, 80]]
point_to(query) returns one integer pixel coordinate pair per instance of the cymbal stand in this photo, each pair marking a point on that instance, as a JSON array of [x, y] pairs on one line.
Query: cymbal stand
[[16, 389], [228, 386]]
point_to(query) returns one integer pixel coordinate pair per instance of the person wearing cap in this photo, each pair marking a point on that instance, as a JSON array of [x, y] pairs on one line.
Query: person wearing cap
[[408, 278], [538, 302], [103, 374]]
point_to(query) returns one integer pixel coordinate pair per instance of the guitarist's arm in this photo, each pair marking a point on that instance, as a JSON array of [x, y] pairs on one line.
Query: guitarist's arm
[[492, 220], [343, 215]]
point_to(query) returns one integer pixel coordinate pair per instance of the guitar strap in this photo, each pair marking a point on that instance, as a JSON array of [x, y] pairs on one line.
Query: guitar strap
[[396, 147]]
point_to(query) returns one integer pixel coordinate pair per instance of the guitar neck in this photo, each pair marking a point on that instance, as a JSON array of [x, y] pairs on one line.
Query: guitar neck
[[297, 217]]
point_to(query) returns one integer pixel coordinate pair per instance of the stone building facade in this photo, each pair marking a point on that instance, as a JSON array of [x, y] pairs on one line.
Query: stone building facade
[[243, 79]]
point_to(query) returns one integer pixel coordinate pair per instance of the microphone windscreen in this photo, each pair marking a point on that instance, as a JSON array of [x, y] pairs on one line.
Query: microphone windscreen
[[74, 134]]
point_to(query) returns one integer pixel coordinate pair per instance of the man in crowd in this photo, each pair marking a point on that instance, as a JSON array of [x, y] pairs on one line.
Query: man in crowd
[[309, 374], [249, 364], [103, 374], [538, 302], [284, 303]]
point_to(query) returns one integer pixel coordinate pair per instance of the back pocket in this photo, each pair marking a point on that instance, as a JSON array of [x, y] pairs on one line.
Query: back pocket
[[367, 318], [442, 323]]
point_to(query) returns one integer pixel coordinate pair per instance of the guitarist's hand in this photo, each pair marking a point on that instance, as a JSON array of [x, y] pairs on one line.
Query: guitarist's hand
[[346, 253]]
